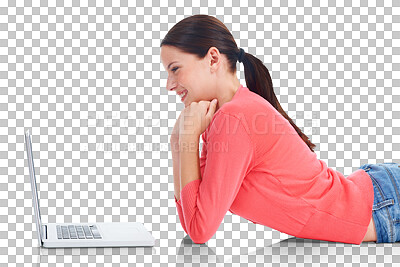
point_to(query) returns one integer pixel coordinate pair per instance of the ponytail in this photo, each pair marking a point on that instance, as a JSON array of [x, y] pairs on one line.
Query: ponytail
[[259, 81]]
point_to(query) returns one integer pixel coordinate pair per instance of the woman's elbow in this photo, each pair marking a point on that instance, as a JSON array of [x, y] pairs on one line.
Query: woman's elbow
[[197, 240], [200, 238]]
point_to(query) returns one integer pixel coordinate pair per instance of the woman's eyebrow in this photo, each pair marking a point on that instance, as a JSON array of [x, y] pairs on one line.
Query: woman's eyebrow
[[170, 64]]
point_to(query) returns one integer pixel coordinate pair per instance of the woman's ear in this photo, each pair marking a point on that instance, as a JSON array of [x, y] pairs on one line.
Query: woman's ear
[[214, 58]]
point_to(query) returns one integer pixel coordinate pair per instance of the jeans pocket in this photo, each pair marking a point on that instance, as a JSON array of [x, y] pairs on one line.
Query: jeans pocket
[[382, 204], [366, 167], [383, 200]]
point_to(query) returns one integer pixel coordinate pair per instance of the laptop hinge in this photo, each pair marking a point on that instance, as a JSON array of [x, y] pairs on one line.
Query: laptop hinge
[[44, 232]]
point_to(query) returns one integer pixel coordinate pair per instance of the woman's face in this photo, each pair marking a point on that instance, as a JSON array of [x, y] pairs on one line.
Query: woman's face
[[188, 73]]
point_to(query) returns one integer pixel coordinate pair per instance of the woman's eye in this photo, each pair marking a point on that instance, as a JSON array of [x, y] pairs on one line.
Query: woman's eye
[[174, 69]]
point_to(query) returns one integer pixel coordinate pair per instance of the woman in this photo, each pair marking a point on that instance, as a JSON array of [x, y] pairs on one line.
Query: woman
[[255, 162]]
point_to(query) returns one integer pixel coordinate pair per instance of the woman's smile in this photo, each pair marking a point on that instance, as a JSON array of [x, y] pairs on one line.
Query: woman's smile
[[183, 95]]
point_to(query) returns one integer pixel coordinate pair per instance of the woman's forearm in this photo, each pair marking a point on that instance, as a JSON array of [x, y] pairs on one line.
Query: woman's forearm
[[176, 168]]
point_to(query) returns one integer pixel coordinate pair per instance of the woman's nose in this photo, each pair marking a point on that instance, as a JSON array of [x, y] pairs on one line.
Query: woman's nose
[[170, 84]]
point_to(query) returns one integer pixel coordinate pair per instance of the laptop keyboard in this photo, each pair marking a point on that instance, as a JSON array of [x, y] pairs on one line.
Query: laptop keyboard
[[78, 232]]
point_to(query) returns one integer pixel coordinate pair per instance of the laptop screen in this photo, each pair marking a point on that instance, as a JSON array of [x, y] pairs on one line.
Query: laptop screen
[[35, 198]]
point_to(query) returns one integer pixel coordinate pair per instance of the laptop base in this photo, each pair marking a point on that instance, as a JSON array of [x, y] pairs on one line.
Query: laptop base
[[115, 234]]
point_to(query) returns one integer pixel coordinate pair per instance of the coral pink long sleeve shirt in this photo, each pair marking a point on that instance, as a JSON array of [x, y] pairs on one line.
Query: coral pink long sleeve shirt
[[254, 164]]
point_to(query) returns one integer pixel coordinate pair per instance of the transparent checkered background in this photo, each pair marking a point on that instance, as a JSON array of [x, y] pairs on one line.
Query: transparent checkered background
[[86, 78]]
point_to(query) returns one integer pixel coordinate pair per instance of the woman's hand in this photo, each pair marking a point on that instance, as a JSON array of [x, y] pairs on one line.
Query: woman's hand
[[195, 118]]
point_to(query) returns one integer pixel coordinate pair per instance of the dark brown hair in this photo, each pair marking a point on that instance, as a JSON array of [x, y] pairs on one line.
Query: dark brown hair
[[197, 33]]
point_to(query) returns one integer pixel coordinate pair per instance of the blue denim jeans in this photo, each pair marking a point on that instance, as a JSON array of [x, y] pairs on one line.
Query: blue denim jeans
[[386, 208]]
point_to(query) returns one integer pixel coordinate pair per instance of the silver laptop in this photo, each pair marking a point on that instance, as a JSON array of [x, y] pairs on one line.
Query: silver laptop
[[62, 235]]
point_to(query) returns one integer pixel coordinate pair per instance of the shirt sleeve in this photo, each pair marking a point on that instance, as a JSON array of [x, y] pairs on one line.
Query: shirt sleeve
[[202, 165], [229, 157], [180, 214]]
